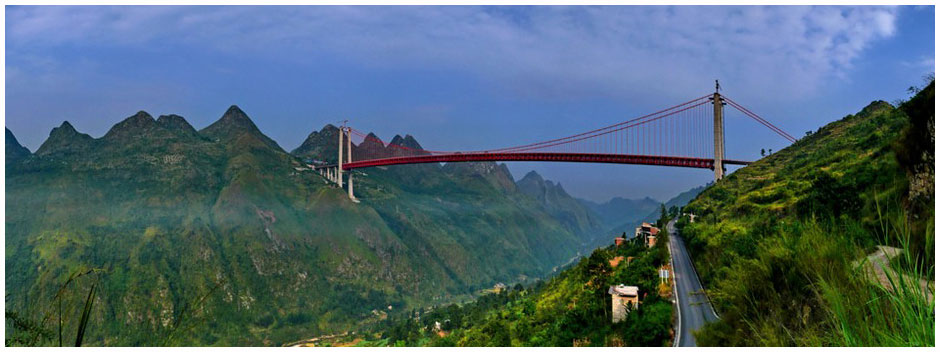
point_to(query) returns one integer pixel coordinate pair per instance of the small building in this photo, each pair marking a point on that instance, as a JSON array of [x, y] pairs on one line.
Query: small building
[[623, 299], [618, 241], [616, 261], [499, 287], [647, 234], [651, 238]]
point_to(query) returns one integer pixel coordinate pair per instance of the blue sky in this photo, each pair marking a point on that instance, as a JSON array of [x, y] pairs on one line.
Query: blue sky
[[463, 77]]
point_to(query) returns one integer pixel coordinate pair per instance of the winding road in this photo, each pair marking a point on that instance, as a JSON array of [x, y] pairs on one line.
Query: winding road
[[694, 308]]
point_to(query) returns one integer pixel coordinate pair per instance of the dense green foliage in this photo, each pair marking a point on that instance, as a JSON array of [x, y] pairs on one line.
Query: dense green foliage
[[573, 308], [778, 243], [219, 237]]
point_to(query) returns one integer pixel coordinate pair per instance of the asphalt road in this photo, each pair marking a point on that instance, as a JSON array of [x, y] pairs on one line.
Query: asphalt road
[[694, 308]]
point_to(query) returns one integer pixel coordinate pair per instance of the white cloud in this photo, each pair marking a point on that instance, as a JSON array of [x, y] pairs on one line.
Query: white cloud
[[545, 52]]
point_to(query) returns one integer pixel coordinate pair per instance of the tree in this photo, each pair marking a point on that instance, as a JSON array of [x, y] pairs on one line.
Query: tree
[[763, 152], [662, 215]]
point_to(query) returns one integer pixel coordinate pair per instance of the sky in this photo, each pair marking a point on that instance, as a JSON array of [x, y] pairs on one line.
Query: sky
[[464, 77]]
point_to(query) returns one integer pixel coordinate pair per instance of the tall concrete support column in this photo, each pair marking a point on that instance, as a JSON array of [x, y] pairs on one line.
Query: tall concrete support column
[[719, 135], [339, 159], [349, 184], [348, 147]]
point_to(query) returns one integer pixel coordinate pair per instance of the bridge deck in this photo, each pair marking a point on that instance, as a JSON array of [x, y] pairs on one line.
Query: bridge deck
[[676, 161]]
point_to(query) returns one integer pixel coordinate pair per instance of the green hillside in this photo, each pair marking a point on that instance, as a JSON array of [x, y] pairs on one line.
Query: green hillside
[[173, 236], [779, 243], [571, 309]]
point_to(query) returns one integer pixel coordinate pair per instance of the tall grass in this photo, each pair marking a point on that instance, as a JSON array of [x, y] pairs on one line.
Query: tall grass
[[864, 312], [22, 330]]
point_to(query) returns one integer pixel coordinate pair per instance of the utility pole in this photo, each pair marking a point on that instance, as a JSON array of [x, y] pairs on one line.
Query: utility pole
[[719, 133]]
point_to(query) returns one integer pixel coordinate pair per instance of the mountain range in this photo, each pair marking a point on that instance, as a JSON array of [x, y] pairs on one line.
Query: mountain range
[[219, 236]]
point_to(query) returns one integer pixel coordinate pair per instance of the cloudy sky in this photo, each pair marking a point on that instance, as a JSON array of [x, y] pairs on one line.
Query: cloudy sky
[[461, 78]]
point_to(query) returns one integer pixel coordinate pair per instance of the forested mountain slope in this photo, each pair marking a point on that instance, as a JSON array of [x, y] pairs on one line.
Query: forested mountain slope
[[571, 309], [220, 237], [779, 243]]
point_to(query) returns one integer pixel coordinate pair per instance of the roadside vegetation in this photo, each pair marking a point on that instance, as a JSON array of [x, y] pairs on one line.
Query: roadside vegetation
[[787, 246]]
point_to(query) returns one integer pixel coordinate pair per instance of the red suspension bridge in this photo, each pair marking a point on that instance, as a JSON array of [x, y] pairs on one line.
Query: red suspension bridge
[[690, 134]]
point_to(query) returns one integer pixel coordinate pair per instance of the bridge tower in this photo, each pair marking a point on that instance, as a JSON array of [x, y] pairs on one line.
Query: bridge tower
[[719, 128], [336, 175]]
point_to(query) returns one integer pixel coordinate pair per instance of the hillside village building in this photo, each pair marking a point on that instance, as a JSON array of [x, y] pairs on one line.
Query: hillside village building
[[651, 239], [623, 299], [647, 233]]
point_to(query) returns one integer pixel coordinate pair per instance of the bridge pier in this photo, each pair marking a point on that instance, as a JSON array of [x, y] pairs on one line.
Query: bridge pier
[[335, 175], [339, 165], [349, 184], [719, 127]]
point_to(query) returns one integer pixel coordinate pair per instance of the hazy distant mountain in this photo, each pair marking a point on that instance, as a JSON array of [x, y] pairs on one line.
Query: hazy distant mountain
[[320, 144], [685, 197], [170, 216], [620, 210], [679, 200], [624, 215], [569, 210], [65, 139], [235, 124]]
